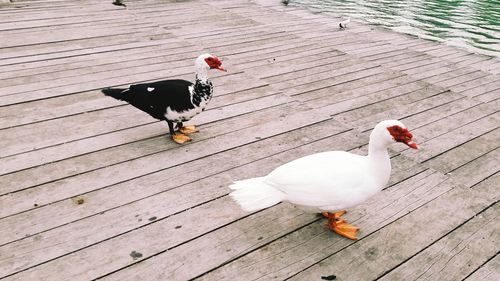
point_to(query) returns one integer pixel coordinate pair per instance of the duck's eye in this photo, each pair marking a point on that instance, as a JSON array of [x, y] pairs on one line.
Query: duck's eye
[[210, 59]]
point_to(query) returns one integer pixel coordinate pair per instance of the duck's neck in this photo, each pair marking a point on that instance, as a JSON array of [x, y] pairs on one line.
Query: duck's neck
[[380, 163], [202, 87], [377, 150], [201, 80], [202, 91], [202, 74]]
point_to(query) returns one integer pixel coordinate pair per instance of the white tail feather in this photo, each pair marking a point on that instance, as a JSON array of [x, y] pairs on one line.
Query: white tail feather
[[253, 194]]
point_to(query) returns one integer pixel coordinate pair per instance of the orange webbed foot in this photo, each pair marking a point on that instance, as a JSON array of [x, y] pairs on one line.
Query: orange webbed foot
[[188, 129], [180, 138], [340, 226]]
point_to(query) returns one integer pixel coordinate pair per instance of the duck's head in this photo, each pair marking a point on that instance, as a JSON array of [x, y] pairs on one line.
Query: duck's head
[[208, 61], [394, 131]]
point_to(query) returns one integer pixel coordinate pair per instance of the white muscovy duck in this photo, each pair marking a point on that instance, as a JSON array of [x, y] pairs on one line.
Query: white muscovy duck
[[327, 182], [174, 100]]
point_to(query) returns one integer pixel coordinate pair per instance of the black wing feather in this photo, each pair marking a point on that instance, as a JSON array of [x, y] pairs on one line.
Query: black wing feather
[[162, 94]]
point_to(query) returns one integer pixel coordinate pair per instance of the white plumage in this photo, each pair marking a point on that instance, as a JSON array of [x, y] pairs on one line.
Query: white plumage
[[327, 181]]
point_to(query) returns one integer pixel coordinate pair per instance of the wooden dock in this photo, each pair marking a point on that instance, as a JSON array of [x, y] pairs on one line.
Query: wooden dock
[[92, 188]]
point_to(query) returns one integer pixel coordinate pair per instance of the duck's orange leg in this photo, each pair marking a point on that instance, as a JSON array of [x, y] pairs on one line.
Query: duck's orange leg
[[340, 226]]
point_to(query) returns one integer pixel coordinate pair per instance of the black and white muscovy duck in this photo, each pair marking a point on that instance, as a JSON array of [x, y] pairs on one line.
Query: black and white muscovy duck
[[175, 100], [119, 3], [343, 24], [327, 182]]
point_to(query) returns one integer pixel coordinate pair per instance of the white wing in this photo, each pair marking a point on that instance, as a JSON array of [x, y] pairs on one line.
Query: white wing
[[332, 178]]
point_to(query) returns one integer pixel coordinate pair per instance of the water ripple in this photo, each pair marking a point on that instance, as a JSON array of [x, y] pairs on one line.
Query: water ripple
[[470, 24]]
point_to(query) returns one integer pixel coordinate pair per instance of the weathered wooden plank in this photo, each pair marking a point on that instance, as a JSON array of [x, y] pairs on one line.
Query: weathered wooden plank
[[93, 68], [488, 272], [106, 63], [71, 128], [347, 74], [66, 66], [476, 171], [440, 140], [51, 37], [363, 106], [481, 89], [351, 89], [346, 99], [411, 60], [168, 66], [388, 253], [457, 254], [147, 74], [450, 75], [196, 19], [248, 36], [92, 24], [85, 144], [286, 256], [15, 115], [495, 69], [245, 47], [428, 47], [155, 131], [445, 51], [490, 97], [43, 14], [471, 60], [480, 83], [27, 58], [420, 113], [488, 65], [362, 45], [424, 61], [21, 114], [463, 154], [57, 22], [291, 143], [427, 71], [134, 186], [412, 45], [320, 70], [461, 79], [178, 234], [119, 147], [375, 57], [286, 69], [453, 119], [96, 23], [377, 48], [277, 51], [238, 238], [66, 188]]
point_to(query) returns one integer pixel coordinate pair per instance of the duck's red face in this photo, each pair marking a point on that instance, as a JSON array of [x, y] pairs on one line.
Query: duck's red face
[[214, 63], [401, 134]]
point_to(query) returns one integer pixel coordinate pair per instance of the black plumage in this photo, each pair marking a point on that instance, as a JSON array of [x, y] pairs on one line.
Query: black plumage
[[163, 94], [119, 3], [174, 100]]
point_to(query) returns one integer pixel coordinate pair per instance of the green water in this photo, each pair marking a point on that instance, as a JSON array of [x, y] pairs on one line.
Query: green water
[[470, 24]]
